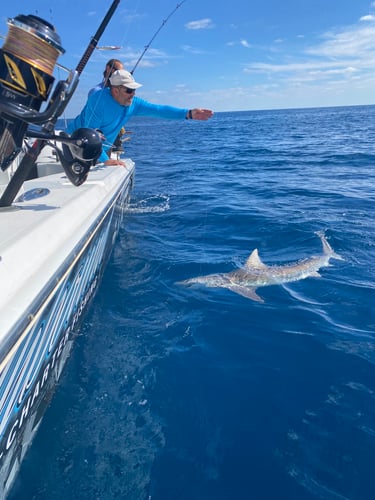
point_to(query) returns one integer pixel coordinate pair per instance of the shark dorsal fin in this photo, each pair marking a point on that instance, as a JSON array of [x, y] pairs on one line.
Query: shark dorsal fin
[[254, 262]]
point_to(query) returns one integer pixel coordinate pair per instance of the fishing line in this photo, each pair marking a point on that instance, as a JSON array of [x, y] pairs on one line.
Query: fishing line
[[156, 34]]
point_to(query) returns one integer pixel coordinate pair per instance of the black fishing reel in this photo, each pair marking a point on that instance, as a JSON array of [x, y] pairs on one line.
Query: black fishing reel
[[79, 152], [27, 60]]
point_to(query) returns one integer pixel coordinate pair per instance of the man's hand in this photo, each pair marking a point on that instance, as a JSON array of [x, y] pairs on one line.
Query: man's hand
[[201, 114], [113, 163]]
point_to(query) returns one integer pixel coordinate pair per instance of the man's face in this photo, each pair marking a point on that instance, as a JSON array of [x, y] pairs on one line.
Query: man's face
[[123, 95]]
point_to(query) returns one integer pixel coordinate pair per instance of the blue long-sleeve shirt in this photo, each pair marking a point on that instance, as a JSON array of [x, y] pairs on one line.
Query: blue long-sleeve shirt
[[106, 114], [97, 87]]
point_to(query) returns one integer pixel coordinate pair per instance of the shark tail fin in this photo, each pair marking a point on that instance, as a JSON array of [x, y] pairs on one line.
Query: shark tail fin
[[327, 249]]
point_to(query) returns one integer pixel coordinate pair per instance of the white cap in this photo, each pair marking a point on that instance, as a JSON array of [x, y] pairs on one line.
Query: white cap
[[123, 77]]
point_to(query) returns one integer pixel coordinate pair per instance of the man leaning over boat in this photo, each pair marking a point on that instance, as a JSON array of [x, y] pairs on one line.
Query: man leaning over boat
[[109, 109]]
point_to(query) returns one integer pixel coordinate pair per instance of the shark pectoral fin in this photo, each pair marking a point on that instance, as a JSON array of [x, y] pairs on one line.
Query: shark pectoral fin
[[315, 274], [249, 293]]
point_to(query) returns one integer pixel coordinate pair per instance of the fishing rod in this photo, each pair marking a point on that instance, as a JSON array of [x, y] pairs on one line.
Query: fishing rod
[[155, 35], [95, 39], [58, 102]]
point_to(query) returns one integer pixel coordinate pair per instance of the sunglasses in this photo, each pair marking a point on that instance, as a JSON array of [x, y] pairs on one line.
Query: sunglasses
[[127, 90]]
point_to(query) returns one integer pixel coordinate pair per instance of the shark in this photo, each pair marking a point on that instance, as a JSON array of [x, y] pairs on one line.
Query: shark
[[255, 273]]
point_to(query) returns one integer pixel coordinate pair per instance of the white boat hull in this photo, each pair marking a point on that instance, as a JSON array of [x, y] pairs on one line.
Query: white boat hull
[[54, 243]]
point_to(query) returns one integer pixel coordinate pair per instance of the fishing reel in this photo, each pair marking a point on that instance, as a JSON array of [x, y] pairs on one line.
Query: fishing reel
[[27, 60], [79, 152]]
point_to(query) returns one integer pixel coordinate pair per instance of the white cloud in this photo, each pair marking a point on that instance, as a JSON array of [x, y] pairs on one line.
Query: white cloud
[[338, 69], [303, 67], [369, 17], [342, 52], [201, 24], [192, 50], [152, 58], [245, 43], [355, 42]]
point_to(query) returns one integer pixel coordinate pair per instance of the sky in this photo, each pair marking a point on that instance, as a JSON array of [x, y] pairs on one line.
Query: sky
[[226, 56]]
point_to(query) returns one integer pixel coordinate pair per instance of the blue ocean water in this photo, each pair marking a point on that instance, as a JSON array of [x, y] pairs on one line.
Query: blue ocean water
[[181, 393]]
